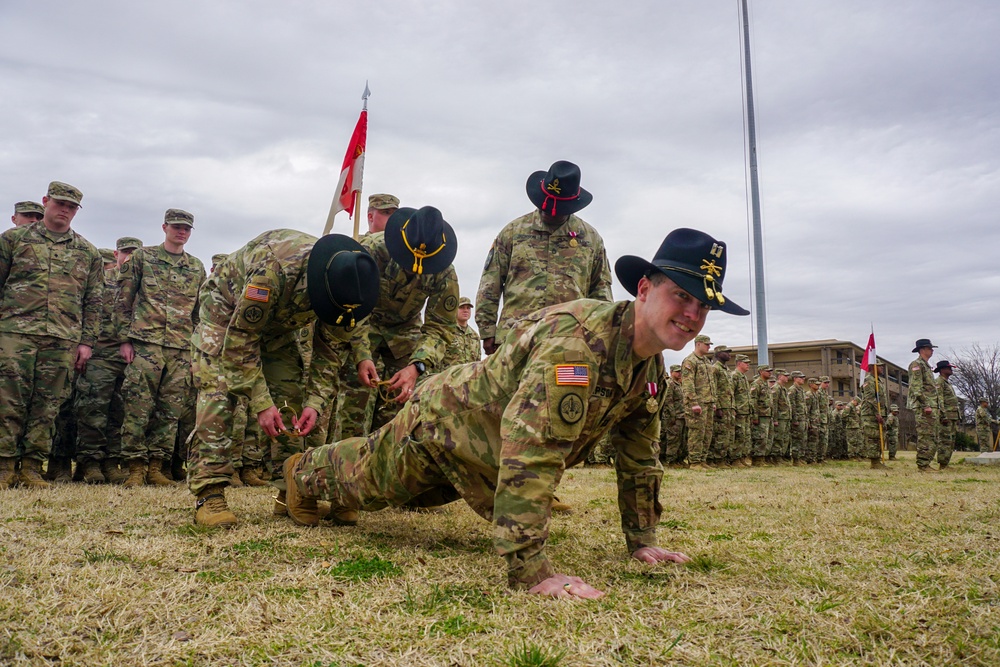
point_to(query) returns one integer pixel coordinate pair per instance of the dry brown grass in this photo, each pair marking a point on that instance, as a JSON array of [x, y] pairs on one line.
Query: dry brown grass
[[823, 565]]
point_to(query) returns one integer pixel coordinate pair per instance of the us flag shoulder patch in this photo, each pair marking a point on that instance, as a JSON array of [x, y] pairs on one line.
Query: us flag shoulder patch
[[255, 293], [572, 374]]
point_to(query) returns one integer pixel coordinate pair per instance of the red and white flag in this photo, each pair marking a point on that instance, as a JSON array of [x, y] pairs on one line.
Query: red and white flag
[[351, 173], [869, 357]]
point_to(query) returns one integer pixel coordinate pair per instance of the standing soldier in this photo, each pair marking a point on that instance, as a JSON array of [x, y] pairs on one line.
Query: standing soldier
[[826, 409], [892, 431], [984, 426], [98, 404], [950, 414], [783, 412], [852, 426], [800, 418], [27, 212], [464, 347], [838, 437], [725, 412], [924, 399], [546, 257], [816, 404], [156, 309], [872, 417], [699, 401], [741, 403], [762, 416], [673, 433], [51, 288]]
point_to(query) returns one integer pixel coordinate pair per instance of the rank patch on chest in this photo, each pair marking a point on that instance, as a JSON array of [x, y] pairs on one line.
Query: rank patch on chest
[[255, 293], [572, 374]]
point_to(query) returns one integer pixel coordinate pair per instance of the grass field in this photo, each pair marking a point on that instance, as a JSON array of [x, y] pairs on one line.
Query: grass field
[[832, 564]]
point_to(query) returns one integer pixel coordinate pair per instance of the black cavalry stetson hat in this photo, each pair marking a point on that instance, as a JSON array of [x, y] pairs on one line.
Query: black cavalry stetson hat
[[943, 364], [922, 342], [420, 240], [557, 191], [342, 280], [693, 260]]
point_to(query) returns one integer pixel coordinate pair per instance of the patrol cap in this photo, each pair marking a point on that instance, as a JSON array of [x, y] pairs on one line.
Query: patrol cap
[[219, 258], [674, 368], [780, 371], [742, 357], [981, 400], [895, 408], [702, 338], [812, 381], [721, 348], [177, 216], [824, 378], [107, 255], [382, 202], [761, 369], [128, 243], [420, 240], [29, 207], [798, 374], [465, 301], [64, 192], [840, 404]]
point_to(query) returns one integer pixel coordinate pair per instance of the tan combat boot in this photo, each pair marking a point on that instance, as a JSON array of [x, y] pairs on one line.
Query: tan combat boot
[[91, 471], [155, 474], [280, 507], [212, 510], [877, 464], [557, 506], [62, 469], [235, 480], [31, 474], [136, 474], [112, 473], [302, 509], [342, 516], [250, 478], [7, 474]]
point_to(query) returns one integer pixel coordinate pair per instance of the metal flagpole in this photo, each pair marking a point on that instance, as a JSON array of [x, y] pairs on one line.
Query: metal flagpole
[[357, 193]]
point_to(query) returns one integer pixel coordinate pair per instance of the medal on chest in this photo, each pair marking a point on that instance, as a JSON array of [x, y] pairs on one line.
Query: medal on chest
[[651, 401], [572, 240]]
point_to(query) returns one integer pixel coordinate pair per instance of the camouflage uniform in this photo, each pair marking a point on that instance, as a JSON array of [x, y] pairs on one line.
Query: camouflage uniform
[[156, 310], [698, 384], [762, 410], [51, 288], [950, 416], [782, 403], [872, 406], [741, 404], [725, 414], [892, 434], [464, 347], [673, 430], [531, 266], [984, 429], [814, 422], [852, 426], [98, 404], [824, 422], [923, 395], [393, 337], [500, 432], [800, 421], [251, 310], [838, 437]]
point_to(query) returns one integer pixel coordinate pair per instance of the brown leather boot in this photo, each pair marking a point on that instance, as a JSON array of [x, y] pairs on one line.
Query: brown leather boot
[[155, 474], [877, 464], [235, 480], [91, 471], [212, 509], [7, 474], [31, 474], [302, 509], [136, 474], [62, 469], [250, 478], [113, 474]]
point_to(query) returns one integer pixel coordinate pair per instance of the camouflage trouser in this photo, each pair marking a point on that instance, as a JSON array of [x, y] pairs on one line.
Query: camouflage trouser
[[185, 425], [782, 438], [35, 381], [699, 428], [871, 446], [798, 439], [723, 432], [602, 452], [946, 441], [760, 437], [824, 442], [210, 454], [741, 437], [355, 403], [248, 437], [985, 438], [64, 439], [927, 428], [388, 468], [99, 408], [156, 391], [810, 454], [892, 441], [673, 441]]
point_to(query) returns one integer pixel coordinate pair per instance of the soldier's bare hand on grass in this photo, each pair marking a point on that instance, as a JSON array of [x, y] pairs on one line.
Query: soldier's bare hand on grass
[[654, 555], [565, 586]]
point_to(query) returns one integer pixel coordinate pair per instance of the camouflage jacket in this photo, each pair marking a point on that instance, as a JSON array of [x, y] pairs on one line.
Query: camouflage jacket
[[157, 300], [782, 402], [852, 416], [950, 409], [503, 430], [257, 300], [395, 322], [923, 392], [672, 407], [824, 409], [983, 419], [815, 405], [891, 428], [741, 393], [50, 284], [698, 382], [464, 347], [107, 339], [873, 405], [531, 266], [761, 400], [723, 386], [800, 407]]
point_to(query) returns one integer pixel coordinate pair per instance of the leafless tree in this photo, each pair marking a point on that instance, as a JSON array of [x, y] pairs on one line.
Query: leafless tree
[[978, 376]]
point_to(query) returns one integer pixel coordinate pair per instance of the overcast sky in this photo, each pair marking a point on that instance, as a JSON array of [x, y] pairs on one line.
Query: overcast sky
[[878, 134]]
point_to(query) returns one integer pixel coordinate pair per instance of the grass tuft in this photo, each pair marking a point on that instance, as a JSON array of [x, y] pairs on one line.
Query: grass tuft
[[104, 556], [533, 655], [362, 569], [705, 563]]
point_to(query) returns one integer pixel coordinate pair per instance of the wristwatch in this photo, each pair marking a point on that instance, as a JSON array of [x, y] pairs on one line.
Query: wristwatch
[[420, 366]]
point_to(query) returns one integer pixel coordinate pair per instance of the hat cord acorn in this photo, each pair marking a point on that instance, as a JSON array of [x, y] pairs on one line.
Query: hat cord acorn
[[347, 308], [419, 254], [547, 190], [712, 290]]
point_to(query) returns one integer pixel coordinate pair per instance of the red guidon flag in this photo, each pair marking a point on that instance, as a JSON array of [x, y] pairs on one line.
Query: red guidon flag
[[869, 357], [351, 173]]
